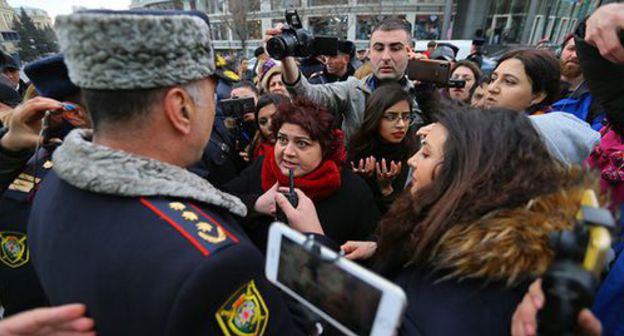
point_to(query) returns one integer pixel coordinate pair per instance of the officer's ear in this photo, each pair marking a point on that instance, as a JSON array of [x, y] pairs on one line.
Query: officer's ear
[[178, 108]]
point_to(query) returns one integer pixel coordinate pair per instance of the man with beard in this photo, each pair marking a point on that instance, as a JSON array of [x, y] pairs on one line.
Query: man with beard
[[576, 97], [390, 50]]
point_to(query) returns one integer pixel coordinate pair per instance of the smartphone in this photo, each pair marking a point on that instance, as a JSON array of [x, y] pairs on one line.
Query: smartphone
[[429, 71], [236, 107], [353, 299]]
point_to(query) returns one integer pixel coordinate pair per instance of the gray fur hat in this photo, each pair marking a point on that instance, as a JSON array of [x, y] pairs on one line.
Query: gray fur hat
[[124, 50]]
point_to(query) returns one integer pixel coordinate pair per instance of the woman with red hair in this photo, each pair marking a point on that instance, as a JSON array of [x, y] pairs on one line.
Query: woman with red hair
[[307, 143]]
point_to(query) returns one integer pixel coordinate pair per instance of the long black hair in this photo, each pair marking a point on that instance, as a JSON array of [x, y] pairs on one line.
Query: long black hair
[[363, 142]]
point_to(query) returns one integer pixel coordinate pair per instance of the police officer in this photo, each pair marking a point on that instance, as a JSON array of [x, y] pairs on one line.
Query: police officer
[[337, 68], [19, 286], [147, 246]]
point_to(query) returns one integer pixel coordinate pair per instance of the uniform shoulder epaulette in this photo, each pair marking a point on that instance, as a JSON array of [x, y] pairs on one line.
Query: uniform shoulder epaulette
[[316, 74], [203, 230]]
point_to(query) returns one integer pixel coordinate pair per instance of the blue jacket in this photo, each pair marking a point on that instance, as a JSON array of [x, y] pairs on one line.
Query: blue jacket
[[582, 104]]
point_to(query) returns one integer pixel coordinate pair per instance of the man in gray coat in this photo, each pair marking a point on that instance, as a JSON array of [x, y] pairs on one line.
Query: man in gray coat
[[390, 50]]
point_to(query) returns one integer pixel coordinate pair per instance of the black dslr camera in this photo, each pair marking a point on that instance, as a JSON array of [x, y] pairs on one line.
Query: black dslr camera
[[299, 42], [234, 109], [570, 282]]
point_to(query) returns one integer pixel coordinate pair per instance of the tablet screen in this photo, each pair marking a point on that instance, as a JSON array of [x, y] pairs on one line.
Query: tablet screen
[[349, 300]]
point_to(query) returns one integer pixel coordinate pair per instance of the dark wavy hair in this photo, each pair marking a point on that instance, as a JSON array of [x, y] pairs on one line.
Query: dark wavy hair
[[316, 120], [363, 142], [476, 72], [266, 100], [543, 71], [493, 159]]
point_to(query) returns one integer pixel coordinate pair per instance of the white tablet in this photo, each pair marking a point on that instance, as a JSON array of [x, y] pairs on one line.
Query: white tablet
[[353, 299]]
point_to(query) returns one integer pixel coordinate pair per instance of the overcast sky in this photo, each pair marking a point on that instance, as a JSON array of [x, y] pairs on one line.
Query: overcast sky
[[56, 7]]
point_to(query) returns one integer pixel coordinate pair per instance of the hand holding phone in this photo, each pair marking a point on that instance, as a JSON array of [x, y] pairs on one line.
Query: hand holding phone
[[429, 71]]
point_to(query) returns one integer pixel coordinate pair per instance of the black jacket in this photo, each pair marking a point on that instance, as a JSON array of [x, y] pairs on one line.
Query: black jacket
[[348, 214], [11, 163], [451, 307], [604, 79]]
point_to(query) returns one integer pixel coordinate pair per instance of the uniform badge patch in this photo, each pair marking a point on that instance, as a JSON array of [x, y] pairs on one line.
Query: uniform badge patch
[[13, 249], [244, 313]]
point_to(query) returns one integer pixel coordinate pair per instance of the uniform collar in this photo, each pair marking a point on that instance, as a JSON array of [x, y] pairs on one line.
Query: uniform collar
[[100, 169]]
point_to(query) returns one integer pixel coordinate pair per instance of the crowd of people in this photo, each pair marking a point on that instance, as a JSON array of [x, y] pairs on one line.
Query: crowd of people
[[138, 199]]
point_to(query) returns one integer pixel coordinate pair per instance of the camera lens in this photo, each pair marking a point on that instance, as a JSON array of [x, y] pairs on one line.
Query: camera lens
[[281, 46], [276, 47]]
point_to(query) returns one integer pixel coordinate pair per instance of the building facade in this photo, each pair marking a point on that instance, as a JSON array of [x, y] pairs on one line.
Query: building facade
[[499, 22], [8, 37], [39, 17], [156, 4], [520, 22], [351, 19]]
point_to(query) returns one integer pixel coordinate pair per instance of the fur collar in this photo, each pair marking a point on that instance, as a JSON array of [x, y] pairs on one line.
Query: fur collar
[[511, 245], [100, 169]]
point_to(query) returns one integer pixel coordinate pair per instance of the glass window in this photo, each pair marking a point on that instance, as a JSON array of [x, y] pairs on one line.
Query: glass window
[[219, 31], [283, 4], [378, 1], [213, 6], [366, 23], [254, 29], [337, 26], [254, 5], [327, 2], [428, 27]]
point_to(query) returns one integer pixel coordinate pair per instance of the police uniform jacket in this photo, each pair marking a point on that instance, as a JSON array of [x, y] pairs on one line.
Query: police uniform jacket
[[19, 287], [150, 248]]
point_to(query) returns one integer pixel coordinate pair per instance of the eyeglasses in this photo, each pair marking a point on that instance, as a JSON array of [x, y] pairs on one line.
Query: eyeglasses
[[394, 117]]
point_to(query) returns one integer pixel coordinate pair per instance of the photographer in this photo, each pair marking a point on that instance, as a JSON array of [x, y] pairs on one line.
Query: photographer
[[524, 320], [389, 54]]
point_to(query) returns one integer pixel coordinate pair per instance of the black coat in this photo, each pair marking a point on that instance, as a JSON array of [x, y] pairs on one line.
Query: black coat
[[348, 214], [397, 153], [453, 307], [142, 266], [11, 163]]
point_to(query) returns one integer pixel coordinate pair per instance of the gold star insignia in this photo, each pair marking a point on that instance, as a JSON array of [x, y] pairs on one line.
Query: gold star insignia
[[203, 226], [177, 206], [190, 216], [48, 164]]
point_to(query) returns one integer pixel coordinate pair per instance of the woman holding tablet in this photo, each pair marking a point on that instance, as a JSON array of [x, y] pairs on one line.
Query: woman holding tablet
[[308, 144], [472, 232]]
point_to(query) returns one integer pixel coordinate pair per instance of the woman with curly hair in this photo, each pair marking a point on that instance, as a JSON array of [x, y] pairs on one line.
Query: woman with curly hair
[[307, 143]]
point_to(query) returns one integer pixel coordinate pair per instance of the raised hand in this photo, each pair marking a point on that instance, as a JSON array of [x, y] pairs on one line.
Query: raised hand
[[385, 175]]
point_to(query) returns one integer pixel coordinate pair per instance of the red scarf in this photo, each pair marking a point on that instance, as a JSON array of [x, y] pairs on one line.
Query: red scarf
[[321, 183], [263, 149]]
